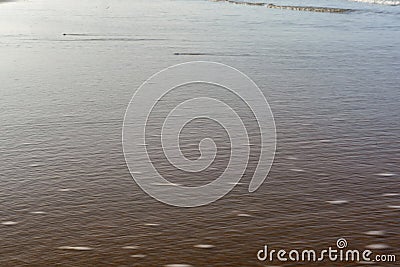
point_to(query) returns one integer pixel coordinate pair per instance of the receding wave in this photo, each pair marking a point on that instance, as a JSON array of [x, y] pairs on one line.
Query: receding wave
[[380, 2]]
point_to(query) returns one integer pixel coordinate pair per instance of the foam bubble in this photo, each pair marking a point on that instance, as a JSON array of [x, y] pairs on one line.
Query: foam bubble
[[297, 170], [75, 248], [205, 246], [9, 223], [243, 215], [377, 246], [138, 256], [375, 233], [37, 212], [338, 202], [34, 165], [152, 224], [386, 174], [64, 189], [325, 140]]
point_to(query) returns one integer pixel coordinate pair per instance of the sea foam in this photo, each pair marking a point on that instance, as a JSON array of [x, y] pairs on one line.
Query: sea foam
[[380, 2]]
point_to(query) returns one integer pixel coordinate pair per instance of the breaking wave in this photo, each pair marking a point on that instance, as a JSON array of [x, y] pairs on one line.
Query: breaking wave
[[380, 2]]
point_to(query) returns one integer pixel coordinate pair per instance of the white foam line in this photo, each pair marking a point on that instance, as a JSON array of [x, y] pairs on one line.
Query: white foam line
[[380, 2]]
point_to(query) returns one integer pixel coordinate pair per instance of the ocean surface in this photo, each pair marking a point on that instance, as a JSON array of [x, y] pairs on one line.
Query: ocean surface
[[69, 68]]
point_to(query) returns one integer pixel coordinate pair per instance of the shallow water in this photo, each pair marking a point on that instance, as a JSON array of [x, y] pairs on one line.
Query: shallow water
[[66, 195]]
